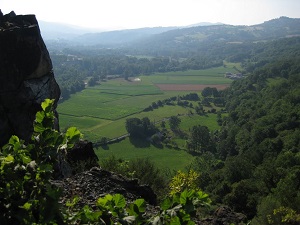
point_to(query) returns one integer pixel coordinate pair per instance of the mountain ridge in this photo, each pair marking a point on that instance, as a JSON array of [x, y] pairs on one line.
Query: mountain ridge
[[173, 36]]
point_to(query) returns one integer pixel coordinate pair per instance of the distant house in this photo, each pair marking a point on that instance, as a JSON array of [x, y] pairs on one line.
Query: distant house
[[233, 76]]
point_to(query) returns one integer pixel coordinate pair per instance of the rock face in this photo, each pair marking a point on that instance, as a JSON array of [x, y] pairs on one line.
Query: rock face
[[26, 76], [80, 158], [95, 183]]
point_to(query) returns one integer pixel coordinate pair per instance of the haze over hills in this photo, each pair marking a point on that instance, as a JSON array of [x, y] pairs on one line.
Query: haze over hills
[[170, 37], [52, 30]]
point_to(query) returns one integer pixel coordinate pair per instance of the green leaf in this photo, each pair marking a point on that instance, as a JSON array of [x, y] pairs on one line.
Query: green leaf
[[9, 159], [175, 221], [119, 200], [39, 128], [27, 206], [47, 105], [141, 204], [13, 140], [73, 203], [39, 117], [73, 134], [102, 202], [183, 197], [166, 204], [90, 215], [25, 159]]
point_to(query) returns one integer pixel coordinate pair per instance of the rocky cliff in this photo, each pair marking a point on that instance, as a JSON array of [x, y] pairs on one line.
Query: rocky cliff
[[26, 76], [26, 80]]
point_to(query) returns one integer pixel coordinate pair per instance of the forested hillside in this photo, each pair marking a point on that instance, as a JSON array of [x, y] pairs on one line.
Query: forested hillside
[[258, 144]]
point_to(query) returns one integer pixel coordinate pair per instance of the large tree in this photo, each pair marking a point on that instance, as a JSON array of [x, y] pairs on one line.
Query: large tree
[[174, 122], [200, 140], [140, 127]]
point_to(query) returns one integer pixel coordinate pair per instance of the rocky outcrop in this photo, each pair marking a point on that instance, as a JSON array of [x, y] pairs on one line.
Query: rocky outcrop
[[80, 158], [224, 216], [26, 76], [95, 183]]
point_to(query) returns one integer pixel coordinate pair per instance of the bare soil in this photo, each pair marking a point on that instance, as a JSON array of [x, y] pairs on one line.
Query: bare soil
[[189, 87]]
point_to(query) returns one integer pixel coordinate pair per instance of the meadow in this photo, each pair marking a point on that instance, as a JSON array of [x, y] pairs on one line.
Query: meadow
[[102, 110], [164, 158]]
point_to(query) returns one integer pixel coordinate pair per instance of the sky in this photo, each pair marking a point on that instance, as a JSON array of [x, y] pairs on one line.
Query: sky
[[128, 14]]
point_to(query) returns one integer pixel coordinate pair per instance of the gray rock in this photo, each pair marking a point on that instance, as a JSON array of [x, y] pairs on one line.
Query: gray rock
[[26, 76]]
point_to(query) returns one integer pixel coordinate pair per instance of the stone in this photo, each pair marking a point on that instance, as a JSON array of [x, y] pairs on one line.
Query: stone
[[80, 158], [96, 182], [26, 75]]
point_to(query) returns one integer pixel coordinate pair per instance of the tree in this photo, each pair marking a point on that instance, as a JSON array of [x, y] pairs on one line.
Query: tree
[[140, 127], [134, 127], [200, 140], [174, 122], [92, 81]]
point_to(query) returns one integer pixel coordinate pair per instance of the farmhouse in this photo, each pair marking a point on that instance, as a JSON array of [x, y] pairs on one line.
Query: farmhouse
[[233, 76]]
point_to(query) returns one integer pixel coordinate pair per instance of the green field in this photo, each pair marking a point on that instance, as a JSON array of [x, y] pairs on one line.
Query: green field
[[164, 158], [206, 77], [101, 111]]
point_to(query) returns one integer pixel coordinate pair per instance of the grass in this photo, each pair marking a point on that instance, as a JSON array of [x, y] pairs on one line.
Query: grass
[[206, 76], [101, 111], [79, 105], [187, 79], [209, 120], [164, 158]]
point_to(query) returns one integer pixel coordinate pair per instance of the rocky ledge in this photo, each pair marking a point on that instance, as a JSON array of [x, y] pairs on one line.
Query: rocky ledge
[[95, 183]]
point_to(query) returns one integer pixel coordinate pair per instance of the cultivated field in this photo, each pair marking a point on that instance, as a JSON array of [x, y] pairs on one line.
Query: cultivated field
[[101, 111]]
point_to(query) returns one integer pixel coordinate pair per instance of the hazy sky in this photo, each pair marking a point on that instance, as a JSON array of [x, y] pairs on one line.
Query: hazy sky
[[115, 14]]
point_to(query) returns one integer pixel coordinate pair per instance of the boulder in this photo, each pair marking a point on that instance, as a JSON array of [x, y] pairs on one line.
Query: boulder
[[80, 158], [26, 75]]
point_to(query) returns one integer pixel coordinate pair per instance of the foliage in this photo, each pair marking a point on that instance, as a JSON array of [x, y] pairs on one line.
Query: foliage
[[182, 181], [257, 141], [140, 128], [200, 140], [141, 168], [286, 216], [181, 207], [174, 122], [26, 193]]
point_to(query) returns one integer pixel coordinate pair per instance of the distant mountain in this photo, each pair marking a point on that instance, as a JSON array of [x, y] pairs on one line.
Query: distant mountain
[[202, 24], [124, 37], [204, 37], [120, 37], [50, 30], [167, 38]]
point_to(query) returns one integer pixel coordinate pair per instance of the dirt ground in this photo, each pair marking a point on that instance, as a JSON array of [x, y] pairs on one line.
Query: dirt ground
[[189, 87]]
